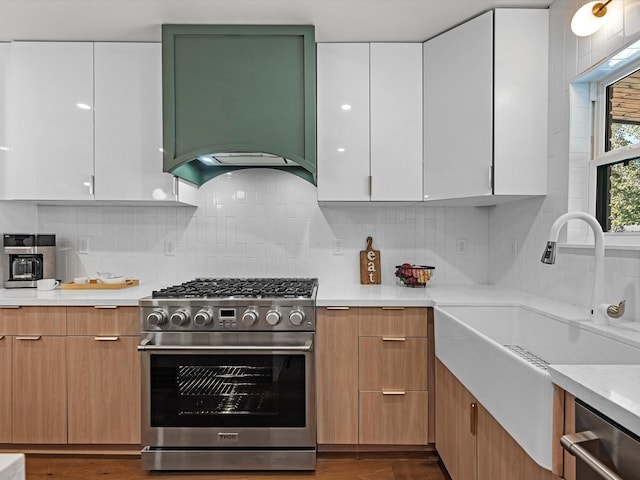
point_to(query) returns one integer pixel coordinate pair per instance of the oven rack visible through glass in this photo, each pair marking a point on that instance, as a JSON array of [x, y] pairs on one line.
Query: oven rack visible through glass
[[227, 390]]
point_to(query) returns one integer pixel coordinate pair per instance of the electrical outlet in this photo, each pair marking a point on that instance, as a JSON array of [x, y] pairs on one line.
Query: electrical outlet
[[337, 246], [83, 245], [461, 246], [170, 248]]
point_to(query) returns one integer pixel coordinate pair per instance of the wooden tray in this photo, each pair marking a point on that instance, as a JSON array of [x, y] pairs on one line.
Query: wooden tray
[[94, 285]]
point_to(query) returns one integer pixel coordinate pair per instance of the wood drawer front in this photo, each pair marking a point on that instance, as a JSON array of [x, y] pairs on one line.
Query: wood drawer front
[[390, 363], [393, 419], [408, 322], [33, 321], [103, 321]]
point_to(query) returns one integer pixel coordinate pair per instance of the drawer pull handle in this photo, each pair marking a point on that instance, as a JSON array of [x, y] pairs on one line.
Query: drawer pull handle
[[106, 306], [1, 337], [35, 337], [106, 339], [393, 392], [10, 306], [392, 308], [394, 339], [473, 419], [338, 308]]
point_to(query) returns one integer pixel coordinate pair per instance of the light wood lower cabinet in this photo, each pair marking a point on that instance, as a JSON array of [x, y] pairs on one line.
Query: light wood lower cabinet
[[69, 375], [374, 377], [39, 390], [337, 376], [38, 374], [471, 443], [104, 375], [5, 388]]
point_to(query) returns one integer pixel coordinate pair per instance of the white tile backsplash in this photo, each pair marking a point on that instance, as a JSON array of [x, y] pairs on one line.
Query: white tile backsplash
[[266, 223]]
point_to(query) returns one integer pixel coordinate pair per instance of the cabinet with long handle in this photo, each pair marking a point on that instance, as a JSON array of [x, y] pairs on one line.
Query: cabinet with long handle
[[104, 375]]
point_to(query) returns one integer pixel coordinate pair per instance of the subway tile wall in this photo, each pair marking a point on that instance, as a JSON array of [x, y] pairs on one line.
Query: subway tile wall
[[15, 218], [265, 223], [528, 222]]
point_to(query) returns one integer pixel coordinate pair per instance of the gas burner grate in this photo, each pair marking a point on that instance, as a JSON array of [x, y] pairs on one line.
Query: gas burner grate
[[241, 288]]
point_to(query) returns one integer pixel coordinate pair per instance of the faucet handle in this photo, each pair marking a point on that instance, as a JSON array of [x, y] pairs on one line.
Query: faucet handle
[[616, 311]]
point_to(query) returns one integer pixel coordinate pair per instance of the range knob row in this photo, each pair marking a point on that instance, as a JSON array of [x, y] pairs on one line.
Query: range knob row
[[204, 317]]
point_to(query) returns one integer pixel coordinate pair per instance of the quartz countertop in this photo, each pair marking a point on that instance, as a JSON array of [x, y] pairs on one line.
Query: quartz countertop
[[614, 390], [128, 296]]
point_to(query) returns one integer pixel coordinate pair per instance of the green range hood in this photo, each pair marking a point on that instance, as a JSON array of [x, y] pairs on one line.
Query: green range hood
[[238, 96]]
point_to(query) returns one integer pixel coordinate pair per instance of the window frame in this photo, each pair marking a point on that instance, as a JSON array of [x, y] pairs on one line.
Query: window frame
[[599, 157]]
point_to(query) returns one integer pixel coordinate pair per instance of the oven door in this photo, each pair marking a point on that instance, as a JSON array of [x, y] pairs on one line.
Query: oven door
[[247, 389]]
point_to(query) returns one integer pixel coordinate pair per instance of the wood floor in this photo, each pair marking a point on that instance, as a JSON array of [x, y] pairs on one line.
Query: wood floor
[[329, 467]]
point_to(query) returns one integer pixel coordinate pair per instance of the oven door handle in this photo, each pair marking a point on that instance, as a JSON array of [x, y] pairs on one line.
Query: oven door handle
[[147, 346], [572, 444]]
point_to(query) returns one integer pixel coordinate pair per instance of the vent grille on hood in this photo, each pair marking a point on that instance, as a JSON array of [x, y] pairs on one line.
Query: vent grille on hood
[[238, 96]]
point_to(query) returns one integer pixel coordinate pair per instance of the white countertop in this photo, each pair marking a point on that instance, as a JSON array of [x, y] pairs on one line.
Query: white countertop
[[12, 466], [128, 296], [613, 390]]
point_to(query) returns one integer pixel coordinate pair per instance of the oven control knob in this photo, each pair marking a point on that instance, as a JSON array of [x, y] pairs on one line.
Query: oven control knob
[[249, 317], [273, 317], [180, 317], [203, 317], [157, 318], [296, 317]]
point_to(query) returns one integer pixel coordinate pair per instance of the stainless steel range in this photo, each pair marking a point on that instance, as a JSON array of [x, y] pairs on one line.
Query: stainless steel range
[[228, 375]]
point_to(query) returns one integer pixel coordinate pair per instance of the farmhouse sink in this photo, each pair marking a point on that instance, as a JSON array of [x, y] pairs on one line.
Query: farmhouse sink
[[500, 353]]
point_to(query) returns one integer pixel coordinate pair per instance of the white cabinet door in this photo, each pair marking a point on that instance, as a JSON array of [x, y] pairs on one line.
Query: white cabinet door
[[458, 103], [128, 123], [521, 101], [396, 121], [343, 121], [5, 55], [50, 128]]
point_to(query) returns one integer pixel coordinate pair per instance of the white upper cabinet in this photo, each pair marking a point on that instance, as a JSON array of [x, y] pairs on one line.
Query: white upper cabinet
[[369, 122], [396, 121], [128, 123], [485, 109], [5, 51], [85, 124], [343, 121], [50, 121]]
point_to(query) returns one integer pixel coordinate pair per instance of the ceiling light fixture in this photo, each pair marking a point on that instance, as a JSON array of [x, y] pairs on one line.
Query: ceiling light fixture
[[589, 18]]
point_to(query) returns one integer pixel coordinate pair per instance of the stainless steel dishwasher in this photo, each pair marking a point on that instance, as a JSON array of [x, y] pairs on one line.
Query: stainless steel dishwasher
[[603, 449]]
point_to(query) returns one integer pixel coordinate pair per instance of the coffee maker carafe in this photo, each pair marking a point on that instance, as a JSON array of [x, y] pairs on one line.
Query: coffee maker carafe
[[29, 258]]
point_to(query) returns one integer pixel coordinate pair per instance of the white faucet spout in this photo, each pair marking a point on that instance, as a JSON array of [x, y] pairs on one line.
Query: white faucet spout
[[597, 291]]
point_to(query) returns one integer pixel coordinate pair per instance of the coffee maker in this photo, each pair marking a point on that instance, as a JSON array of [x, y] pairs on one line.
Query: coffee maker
[[28, 258]]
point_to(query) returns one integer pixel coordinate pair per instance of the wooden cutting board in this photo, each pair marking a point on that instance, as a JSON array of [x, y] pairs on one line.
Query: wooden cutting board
[[370, 265], [94, 285]]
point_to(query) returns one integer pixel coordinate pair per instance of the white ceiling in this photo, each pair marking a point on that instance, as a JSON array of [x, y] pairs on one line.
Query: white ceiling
[[335, 20]]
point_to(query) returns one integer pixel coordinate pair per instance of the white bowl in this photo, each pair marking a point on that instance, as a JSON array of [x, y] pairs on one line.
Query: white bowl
[[111, 280]]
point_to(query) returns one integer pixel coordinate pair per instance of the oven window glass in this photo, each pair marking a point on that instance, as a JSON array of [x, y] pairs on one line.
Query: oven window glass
[[228, 391]]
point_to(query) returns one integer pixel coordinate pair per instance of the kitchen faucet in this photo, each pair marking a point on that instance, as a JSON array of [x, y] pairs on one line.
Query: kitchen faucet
[[599, 311]]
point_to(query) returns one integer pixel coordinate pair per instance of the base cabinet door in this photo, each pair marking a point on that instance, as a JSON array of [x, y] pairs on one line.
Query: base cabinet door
[[5, 388], [337, 374], [104, 375], [39, 387], [104, 390], [455, 425], [393, 418]]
